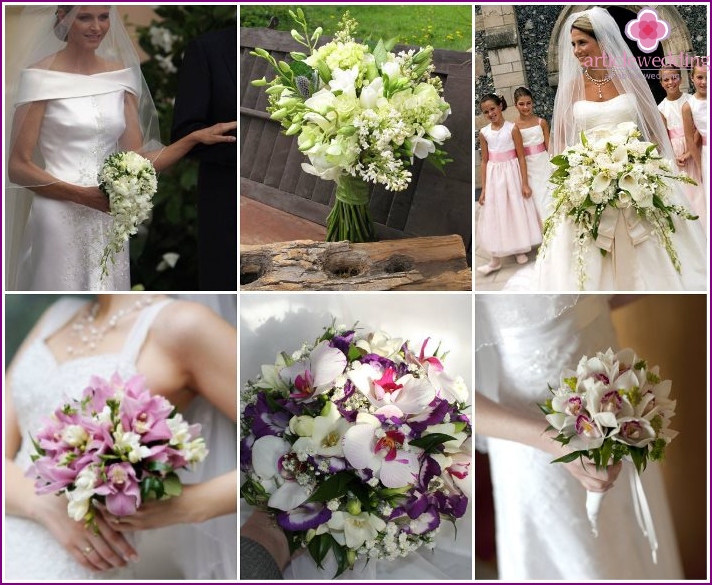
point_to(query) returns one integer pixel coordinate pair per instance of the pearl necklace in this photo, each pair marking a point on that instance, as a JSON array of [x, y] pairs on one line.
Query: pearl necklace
[[89, 336], [599, 82]]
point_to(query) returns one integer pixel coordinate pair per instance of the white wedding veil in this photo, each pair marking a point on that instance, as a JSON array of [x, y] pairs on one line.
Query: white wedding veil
[[622, 68], [40, 66]]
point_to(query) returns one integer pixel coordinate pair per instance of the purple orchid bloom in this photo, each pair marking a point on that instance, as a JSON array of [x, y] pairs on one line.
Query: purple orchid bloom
[[304, 517], [343, 342]]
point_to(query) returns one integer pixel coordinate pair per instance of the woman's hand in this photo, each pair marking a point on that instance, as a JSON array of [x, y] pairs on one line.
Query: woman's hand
[[197, 503], [93, 198], [215, 134], [526, 191], [592, 479], [98, 550], [481, 198], [156, 514]]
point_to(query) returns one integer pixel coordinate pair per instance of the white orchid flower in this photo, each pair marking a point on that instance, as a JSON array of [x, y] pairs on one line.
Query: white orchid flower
[[367, 446], [411, 395], [316, 374]]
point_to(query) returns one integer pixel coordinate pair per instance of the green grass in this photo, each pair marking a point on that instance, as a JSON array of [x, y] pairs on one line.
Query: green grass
[[443, 27]]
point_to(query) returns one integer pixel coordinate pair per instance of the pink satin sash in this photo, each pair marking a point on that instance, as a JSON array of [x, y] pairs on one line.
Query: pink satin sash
[[676, 133], [536, 149], [503, 156]]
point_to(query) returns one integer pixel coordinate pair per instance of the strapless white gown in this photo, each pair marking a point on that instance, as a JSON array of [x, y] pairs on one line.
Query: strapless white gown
[[523, 342], [647, 266], [84, 119]]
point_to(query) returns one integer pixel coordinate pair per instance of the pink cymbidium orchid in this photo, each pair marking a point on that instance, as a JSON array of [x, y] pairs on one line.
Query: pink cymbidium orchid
[[121, 488]]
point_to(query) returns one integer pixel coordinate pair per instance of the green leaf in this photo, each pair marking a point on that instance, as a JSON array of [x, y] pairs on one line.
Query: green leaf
[[172, 485], [430, 443], [162, 468], [568, 458], [341, 557], [319, 547], [333, 487], [380, 53], [151, 485], [355, 353], [301, 68]]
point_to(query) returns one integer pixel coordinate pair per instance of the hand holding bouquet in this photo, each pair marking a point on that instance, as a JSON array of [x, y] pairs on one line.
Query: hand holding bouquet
[[612, 172], [361, 115], [116, 446], [612, 408], [357, 445], [129, 181]]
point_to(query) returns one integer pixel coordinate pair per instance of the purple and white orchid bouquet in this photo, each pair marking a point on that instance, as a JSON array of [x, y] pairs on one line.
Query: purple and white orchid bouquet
[[612, 408], [117, 445], [358, 445]]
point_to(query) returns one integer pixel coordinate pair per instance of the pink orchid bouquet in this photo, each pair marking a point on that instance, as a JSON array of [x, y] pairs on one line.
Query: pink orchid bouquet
[[117, 446], [612, 408], [357, 444]]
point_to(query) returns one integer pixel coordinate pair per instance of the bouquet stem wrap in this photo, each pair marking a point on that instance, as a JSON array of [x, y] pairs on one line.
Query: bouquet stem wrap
[[350, 219], [593, 508]]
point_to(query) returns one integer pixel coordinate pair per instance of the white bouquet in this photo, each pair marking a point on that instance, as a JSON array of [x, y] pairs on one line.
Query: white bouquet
[[129, 181], [613, 408], [361, 114], [612, 172]]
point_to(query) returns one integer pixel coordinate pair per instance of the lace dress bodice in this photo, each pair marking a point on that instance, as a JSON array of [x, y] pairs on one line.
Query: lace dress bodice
[[39, 384]]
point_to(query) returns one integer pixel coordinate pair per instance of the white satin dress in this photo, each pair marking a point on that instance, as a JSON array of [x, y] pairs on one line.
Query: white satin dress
[[523, 342], [283, 322], [639, 263], [83, 122]]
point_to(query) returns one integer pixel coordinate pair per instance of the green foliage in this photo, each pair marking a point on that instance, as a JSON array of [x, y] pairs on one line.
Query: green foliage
[[431, 443], [173, 226], [444, 27]]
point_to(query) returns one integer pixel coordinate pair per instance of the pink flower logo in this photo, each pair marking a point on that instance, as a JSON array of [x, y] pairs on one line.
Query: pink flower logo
[[647, 30]]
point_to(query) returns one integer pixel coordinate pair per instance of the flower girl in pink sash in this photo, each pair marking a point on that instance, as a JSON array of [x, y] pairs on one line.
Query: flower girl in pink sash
[[535, 137], [508, 224], [671, 109]]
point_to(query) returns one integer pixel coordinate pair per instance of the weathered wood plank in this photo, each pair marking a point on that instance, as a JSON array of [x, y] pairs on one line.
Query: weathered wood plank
[[432, 263]]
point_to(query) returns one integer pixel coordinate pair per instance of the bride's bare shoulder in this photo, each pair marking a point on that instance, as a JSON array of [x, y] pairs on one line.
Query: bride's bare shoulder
[[112, 65]]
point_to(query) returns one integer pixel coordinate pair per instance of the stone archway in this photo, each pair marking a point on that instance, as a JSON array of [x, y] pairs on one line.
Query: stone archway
[[677, 42]]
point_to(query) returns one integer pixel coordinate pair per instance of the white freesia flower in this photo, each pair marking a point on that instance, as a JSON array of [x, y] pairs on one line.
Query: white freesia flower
[[380, 343], [326, 435], [353, 530], [74, 435], [129, 443], [439, 133]]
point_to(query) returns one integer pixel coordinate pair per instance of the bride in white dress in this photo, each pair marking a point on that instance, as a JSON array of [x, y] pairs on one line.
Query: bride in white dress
[[80, 97], [599, 87], [283, 322], [186, 353], [522, 344]]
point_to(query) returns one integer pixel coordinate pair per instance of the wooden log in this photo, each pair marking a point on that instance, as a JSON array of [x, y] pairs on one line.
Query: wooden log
[[431, 263]]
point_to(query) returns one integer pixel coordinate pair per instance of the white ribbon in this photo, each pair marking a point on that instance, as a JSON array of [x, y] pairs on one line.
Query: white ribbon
[[640, 505], [642, 513], [619, 231]]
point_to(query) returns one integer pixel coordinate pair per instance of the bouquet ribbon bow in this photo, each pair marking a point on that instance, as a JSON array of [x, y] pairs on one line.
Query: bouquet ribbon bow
[[619, 231]]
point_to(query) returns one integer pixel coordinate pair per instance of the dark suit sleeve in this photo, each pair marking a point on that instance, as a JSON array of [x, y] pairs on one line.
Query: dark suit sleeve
[[207, 94]]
